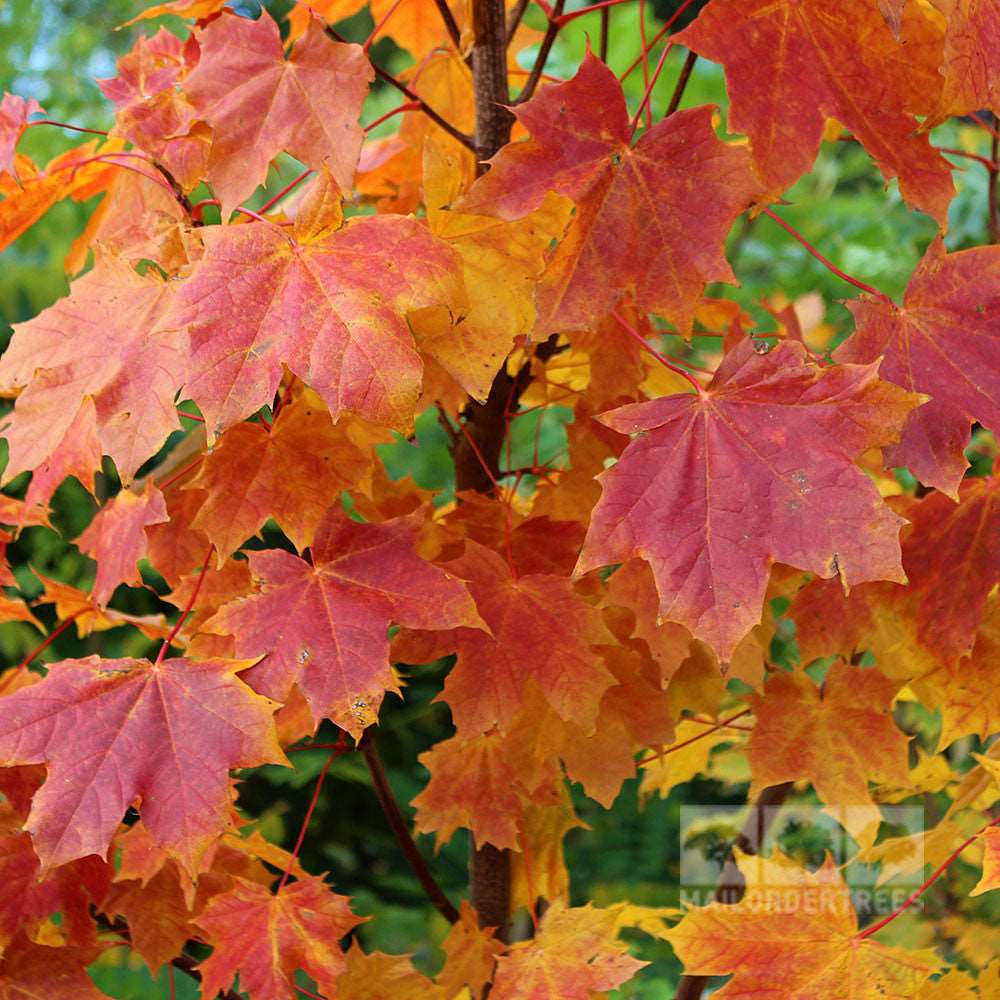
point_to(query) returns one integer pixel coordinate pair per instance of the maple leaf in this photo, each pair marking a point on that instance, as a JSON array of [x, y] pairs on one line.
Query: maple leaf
[[969, 61], [792, 64], [175, 548], [632, 589], [259, 104], [471, 952], [942, 341], [951, 555], [474, 783], [197, 9], [290, 472], [651, 219], [322, 624], [991, 862], [113, 732], [30, 971], [152, 113], [800, 941], [73, 174], [265, 937], [14, 114], [501, 264], [88, 616], [29, 901], [116, 538], [756, 468], [540, 631], [78, 454], [108, 339], [538, 869], [950, 559], [963, 690], [137, 220], [574, 955], [331, 307], [160, 901], [377, 976], [837, 737]]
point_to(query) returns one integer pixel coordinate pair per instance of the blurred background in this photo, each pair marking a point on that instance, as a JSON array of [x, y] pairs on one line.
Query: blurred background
[[52, 51]]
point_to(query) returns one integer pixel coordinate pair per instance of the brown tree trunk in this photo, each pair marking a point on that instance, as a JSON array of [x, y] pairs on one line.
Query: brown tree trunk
[[477, 453]]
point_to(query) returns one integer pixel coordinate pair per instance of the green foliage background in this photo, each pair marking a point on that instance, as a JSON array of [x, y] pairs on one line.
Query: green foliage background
[[53, 49]]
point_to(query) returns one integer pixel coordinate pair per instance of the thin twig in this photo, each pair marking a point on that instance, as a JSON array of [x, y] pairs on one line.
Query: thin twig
[[457, 134], [531, 84], [605, 33], [514, 20], [395, 817], [721, 724], [682, 82], [72, 128], [449, 22]]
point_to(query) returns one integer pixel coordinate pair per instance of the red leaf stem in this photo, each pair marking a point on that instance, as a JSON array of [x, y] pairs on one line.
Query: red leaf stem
[[500, 495], [408, 106], [564, 19], [694, 739], [381, 24], [646, 346], [335, 752], [72, 128], [644, 104], [187, 610], [825, 261], [917, 893], [290, 186], [107, 158], [51, 638], [646, 50], [181, 473]]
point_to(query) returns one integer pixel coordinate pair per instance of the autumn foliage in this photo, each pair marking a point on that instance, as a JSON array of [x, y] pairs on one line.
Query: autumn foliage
[[756, 558]]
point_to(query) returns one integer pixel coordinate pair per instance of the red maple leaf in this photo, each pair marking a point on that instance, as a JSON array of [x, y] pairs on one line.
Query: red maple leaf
[[115, 733], [322, 624], [757, 468], [943, 341], [651, 219]]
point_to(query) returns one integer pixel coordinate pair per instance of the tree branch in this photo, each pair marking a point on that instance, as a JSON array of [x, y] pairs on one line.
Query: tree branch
[[402, 832], [489, 78]]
